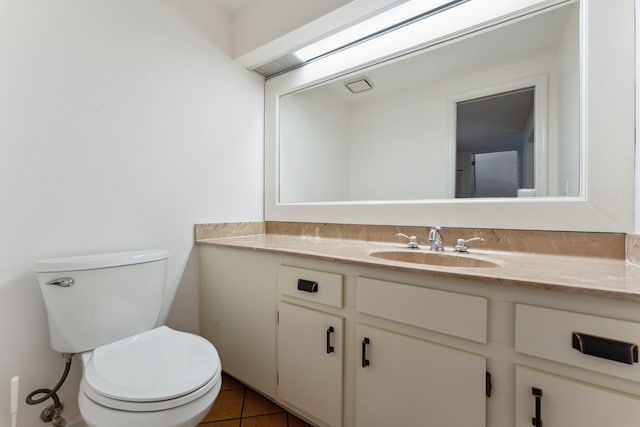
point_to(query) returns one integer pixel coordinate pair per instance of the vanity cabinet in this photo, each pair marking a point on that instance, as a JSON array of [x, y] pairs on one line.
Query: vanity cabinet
[[399, 379], [310, 359], [348, 345], [405, 381]]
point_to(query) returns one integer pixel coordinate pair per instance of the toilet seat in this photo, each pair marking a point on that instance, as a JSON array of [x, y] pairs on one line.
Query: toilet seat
[[151, 371]]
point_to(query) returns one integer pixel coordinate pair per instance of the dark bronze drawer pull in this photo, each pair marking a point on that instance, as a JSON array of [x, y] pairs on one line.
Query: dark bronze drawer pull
[[606, 348], [307, 285]]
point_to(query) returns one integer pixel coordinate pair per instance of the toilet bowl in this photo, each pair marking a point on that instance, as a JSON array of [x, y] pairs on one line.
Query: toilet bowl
[[105, 308], [156, 378]]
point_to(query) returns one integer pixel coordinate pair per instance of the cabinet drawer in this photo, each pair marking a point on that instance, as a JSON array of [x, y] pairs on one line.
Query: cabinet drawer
[[311, 285], [454, 314], [549, 333], [565, 402]]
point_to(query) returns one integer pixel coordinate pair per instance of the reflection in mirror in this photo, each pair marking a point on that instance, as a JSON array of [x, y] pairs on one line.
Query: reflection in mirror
[[495, 142], [388, 132]]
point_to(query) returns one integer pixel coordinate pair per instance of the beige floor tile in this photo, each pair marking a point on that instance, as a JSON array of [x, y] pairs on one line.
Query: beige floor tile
[[255, 404], [228, 405], [228, 383], [297, 422], [235, 401], [274, 420], [227, 423]]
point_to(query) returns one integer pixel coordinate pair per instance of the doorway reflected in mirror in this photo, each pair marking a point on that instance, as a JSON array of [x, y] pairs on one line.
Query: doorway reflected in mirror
[[495, 144]]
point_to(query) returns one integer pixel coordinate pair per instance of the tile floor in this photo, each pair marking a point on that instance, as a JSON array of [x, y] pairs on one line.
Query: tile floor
[[238, 406]]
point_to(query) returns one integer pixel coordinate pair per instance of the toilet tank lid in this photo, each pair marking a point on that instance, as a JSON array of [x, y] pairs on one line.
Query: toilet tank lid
[[91, 262]]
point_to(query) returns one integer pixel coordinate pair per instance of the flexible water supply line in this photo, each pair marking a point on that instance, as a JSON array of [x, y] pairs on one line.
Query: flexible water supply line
[[52, 393]]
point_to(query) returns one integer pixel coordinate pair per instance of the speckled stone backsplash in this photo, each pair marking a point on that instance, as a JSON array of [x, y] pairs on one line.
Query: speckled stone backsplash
[[228, 229], [633, 248], [575, 243], [603, 245]]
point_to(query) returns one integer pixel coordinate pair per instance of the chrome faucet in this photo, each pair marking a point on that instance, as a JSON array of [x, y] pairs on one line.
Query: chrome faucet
[[437, 243], [412, 241], [461, 244]]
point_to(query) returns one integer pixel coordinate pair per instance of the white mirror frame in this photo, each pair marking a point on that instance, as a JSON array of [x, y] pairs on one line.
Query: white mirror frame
[[607, 126]]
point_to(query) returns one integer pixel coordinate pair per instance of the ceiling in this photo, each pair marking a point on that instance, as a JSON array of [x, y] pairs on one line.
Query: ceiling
[[234, 5]]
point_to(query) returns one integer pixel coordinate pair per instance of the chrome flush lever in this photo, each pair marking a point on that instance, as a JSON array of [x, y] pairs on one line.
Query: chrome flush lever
[[64, 282]]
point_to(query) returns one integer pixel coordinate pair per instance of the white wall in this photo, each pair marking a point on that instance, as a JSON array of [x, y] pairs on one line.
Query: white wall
[[399, 146], [122, 123], [314, 155]]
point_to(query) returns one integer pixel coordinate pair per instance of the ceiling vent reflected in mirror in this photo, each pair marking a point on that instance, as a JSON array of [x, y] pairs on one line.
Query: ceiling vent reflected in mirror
[[360, 85]]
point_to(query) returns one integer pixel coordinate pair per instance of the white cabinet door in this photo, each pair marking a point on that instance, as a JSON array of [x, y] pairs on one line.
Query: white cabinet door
[[310, 354], [238, 312], [564, 403], [403, 381]]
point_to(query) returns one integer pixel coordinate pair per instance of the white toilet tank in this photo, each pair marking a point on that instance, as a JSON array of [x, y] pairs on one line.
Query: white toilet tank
[[92, 300]]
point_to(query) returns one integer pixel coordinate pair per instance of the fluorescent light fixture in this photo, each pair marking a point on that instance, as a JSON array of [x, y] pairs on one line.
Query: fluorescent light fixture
[[368, 27]]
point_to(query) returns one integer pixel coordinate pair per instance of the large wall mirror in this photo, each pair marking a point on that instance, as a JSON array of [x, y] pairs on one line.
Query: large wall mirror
[[453, 121], [493, 123]]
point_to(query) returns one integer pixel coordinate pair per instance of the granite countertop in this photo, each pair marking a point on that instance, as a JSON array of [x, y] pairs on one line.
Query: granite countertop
[[602, 277]]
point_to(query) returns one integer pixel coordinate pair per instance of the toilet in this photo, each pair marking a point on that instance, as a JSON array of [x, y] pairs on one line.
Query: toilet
[[135, 373]]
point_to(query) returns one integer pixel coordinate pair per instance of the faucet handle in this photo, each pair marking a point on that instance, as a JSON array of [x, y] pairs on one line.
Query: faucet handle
[[412, 241], [461, 244]]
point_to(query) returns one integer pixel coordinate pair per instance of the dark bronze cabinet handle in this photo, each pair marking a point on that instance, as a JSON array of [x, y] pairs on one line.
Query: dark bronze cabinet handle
[[365, 361], [537, 420], [307, 285], [330, 348], [605, 348]]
